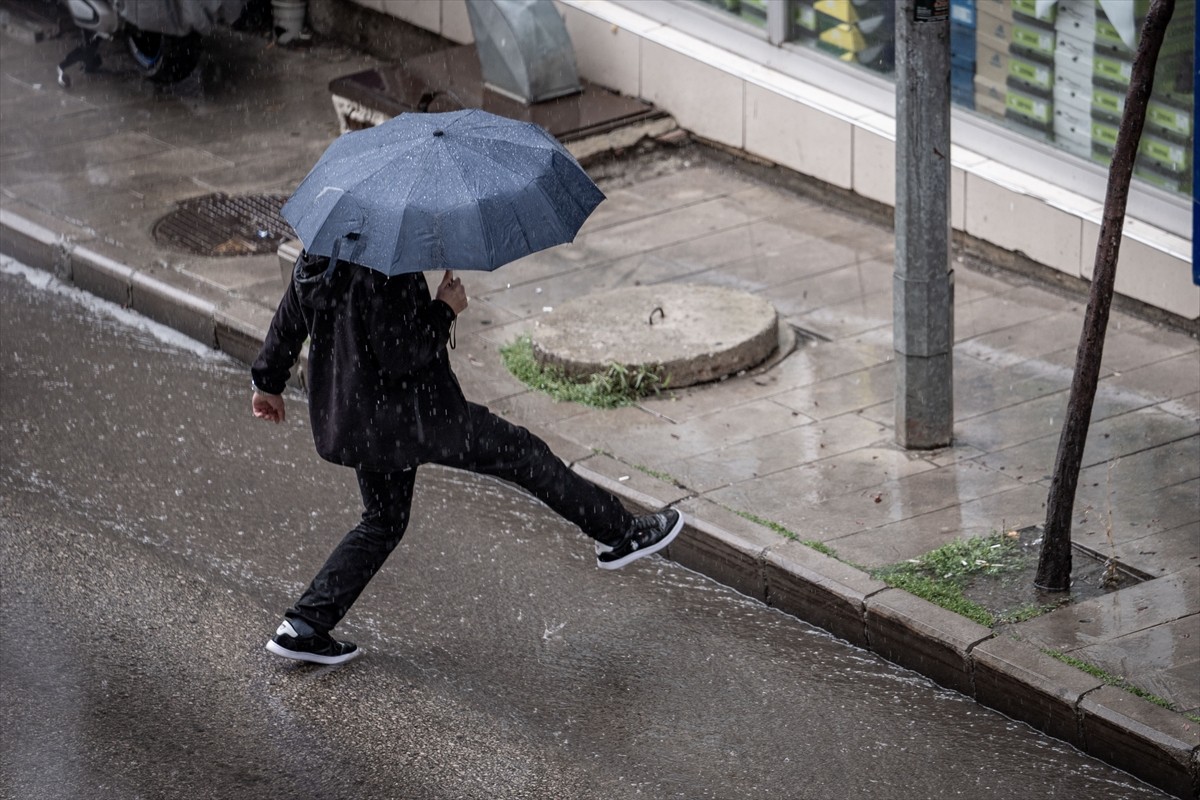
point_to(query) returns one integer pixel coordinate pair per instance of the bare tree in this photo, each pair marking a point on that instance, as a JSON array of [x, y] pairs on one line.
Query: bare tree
[[1054, 564]]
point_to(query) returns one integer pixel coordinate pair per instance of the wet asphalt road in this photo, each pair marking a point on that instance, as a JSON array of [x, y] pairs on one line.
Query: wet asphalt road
[[151, 531]]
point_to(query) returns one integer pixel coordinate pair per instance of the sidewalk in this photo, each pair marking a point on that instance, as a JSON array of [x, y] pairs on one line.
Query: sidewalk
[[806, 444]]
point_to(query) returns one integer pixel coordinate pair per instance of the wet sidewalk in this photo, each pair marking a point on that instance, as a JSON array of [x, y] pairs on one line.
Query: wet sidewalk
[[803, 450]]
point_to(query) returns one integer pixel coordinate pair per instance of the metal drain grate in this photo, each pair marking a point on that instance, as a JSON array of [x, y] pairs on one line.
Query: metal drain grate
[[220, 225]]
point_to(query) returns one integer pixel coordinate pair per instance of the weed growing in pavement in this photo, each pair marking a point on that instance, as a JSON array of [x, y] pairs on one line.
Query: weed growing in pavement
[[665, 477], [941, 576], [787, 533], [1113, 680], [617, 386], [820, 547], [766, 523]]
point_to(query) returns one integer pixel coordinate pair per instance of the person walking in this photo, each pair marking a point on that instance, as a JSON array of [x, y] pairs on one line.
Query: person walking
[[383, 400]]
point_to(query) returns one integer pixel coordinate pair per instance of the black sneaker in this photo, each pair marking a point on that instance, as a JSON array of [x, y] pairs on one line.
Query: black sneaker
[[646, 535], [315, 647]]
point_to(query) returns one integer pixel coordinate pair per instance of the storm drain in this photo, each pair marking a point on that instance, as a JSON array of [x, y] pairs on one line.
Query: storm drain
[[221, 225]]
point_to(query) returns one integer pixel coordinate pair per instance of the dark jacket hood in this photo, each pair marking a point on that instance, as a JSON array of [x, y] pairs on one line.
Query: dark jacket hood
[[319, 287]]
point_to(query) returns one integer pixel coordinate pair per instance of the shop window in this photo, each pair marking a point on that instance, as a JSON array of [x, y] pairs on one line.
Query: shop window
[[753, 12], [1053, 71]]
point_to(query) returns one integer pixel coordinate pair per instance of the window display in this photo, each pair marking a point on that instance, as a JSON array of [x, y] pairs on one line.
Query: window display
[[1054, 70]]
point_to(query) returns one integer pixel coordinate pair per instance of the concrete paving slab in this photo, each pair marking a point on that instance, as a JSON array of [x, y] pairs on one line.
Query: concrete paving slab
[[991, 389], [242, 274], [680, 405], [998, 312], [72, 198], [1157, 510], [695, 187], [809, 216], [535, 405], [869, 313], [766, 455], [841, 395], [791, 491], [1187, 407], [1162, 552], [1120, 613], [717, 431], [1108, 438], [822, 361], [1157, 659], [1128, 348], [1018, 343], [831, 287], [1169, 379], [913, 537], [94, 156]]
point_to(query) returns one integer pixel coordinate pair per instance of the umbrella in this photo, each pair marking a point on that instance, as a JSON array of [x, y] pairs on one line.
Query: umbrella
[[464, 190]]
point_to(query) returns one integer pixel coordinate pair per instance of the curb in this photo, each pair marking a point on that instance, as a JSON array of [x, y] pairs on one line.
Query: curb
[[999, 672]]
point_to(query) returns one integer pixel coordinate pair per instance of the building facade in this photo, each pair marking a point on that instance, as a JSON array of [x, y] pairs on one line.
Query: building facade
[[1038, 88]]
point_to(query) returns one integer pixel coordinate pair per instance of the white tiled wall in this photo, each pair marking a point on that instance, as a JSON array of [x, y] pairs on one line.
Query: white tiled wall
[[1144, 273], [609, 55], [874, 165], [703, 99], [720, 96], [798, 137], [1023, 223]]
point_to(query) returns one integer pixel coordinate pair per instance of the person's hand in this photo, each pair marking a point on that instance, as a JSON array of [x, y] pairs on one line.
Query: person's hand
[[451, 292], [268, 406]]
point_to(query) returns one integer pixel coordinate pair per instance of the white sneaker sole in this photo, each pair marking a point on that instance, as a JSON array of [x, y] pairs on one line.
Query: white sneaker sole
[[312, 658], [649, 551]]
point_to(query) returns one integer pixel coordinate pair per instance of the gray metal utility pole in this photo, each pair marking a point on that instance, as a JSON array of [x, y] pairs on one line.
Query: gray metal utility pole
[[923, 284]]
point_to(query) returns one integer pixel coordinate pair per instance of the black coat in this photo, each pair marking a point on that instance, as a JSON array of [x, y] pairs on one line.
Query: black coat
[[381, 393]]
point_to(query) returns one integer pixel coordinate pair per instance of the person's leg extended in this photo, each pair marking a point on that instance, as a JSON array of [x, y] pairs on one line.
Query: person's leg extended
[[387, 499], [514, 454]]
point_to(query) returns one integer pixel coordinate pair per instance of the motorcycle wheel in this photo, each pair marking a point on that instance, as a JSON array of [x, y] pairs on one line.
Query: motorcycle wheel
[[162, 58]]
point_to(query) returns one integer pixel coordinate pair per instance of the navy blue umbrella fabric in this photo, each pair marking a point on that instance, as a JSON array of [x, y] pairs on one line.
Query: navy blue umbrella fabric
[[464, 190]]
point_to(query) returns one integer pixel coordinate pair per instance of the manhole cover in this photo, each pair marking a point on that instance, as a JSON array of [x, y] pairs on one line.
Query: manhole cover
[[689, 333], [220, 225]]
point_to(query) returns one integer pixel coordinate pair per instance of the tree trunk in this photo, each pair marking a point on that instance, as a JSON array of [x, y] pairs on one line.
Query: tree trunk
[[1054, 564]]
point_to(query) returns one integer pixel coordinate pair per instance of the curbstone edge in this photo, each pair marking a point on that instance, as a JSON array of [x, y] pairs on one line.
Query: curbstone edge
[[175, 307], [1157, 745], [818, 589], [1019, 680], [926, 638]]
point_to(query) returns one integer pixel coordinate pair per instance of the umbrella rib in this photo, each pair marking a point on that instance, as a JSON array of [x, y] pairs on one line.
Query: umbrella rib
[[478, 209]]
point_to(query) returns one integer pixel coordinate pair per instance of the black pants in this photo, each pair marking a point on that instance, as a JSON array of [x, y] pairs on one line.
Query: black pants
[[499, 448]]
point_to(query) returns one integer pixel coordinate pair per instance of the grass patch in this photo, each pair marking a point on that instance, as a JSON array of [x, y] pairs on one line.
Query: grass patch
[[766, 523], [785, 532], [1112, 680], [616, 386], [941, 576], [820, 547], [946, 594], [662, 476]]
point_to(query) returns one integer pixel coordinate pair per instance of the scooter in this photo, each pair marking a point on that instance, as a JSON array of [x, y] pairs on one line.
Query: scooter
[[162, 36]]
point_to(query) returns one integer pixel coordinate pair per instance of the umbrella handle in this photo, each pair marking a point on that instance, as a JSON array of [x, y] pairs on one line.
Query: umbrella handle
[[337, 249]]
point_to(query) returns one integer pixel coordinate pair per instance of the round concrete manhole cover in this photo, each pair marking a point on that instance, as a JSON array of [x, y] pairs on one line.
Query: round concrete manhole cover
[[224, 225], [691, 334]]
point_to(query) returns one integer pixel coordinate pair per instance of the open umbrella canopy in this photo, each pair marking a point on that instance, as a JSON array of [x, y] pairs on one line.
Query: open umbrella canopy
[[464, 190]]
